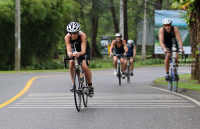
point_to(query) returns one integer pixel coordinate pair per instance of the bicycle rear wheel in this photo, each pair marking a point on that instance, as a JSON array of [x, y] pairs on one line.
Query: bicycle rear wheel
[[85, 94], [77, 90], [175, 82]]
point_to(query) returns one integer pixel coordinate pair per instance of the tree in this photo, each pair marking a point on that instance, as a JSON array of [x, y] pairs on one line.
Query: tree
[[114, 17], [193, 19]]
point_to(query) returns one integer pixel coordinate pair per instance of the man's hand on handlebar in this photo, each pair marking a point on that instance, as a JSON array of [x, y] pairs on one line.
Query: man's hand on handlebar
[[166, 50], [70, 54], [76, 54], [182, 50], [111, 55]]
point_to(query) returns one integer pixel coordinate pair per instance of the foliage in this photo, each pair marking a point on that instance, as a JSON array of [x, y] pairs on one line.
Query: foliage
[[42, 28], [186, 5], [152, 62]]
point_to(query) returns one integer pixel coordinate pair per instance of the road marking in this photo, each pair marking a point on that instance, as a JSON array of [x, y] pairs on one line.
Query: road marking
[[189, 98], [24, 90], [103, 100]]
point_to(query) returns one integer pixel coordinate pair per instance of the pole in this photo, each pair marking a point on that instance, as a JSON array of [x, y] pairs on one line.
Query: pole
[[122, 18], [144, 34], [17, 35]]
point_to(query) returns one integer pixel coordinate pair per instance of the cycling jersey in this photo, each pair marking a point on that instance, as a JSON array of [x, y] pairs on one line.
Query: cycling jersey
[[76, 45], [119, 50], [168, 38], [130, 50]]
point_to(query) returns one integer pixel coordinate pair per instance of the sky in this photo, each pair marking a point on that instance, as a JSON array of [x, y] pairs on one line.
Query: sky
[[174, 15]]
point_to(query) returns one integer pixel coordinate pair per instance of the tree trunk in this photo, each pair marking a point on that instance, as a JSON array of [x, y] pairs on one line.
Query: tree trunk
[[114, 17], [94, 21], [194, 41], [125, 21], [198, 39], [159, 4]]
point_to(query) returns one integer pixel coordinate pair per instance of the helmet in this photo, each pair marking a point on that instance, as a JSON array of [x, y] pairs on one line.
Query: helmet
[[166, 21], [73, 27], [130, 41], [118, 35]]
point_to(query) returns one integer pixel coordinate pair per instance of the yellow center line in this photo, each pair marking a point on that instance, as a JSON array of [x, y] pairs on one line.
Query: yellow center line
[[31, 81], [24, 90]]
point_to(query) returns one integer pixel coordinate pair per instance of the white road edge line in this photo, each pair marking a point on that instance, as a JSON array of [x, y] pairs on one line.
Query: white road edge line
[[187, 97]]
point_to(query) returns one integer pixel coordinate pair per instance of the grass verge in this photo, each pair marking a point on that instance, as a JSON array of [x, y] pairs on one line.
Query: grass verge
[[185, 82]]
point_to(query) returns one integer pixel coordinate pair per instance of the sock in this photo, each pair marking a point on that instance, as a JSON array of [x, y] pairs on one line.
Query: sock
[[167, 73]]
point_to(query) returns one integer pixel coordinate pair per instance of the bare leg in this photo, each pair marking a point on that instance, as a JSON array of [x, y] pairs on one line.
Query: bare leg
[[167, 61], [115, 62], [125, 62], [87, 72], [132, 64], [122, 63], [71, 70]]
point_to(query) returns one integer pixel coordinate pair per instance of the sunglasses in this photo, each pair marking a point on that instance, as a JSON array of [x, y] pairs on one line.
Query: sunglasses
[[73, 33], [167, 25]]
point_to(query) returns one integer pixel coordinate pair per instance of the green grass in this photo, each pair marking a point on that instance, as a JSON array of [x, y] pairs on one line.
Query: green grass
[[185, 82]]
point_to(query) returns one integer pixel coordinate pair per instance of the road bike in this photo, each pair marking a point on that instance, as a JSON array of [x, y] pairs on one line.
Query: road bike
[[80, 90], [128, 73], [119, 71], [173, 81]]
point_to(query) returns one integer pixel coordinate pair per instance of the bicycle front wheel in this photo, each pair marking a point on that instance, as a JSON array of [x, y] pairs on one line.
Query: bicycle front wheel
[[175, 85], [77, 90], [128, 74], [85, 94], [119, 74]]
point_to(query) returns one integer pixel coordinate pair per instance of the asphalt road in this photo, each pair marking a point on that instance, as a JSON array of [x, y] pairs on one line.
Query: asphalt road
[[43, 101]]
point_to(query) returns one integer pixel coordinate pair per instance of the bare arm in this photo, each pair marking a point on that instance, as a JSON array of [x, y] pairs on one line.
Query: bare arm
[[112, 46], [68, 46], [161, 37], [178, 37], [125, 47], [83, 44], [134, 50]]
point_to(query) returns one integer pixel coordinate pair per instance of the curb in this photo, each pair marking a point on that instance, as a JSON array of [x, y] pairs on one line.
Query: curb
[[190, 93]]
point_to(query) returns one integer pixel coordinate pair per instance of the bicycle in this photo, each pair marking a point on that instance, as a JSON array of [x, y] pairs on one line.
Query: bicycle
[[173, 81], [119, 72], [128, 74], [79, 88]]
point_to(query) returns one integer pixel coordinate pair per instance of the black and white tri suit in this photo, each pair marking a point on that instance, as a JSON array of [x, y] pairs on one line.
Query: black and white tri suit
[[76, 46], [119, 50], [168, 39]]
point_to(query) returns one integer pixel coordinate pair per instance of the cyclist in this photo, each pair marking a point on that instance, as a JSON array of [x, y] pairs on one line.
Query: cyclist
[[120, 48], [131, 53], [166, 34], [78, 38]]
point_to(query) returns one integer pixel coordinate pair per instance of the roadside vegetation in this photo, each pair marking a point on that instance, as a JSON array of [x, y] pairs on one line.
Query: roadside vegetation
[[185, 82]]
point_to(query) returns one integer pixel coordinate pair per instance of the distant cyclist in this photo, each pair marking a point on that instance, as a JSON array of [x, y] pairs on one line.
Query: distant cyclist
[[166, 34], [120, 48], [78, 38], [131, 53]]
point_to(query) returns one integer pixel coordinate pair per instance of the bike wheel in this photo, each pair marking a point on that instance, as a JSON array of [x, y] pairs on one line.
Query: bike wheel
[[119, 75], [128, 74], [170, 81], [85, 94], [175, 85], [77, 91]]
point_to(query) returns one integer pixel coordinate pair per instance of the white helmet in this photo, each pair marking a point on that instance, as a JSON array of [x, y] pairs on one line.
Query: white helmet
[[118, 35], [166, 21], [130, 41], [73, 27]]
